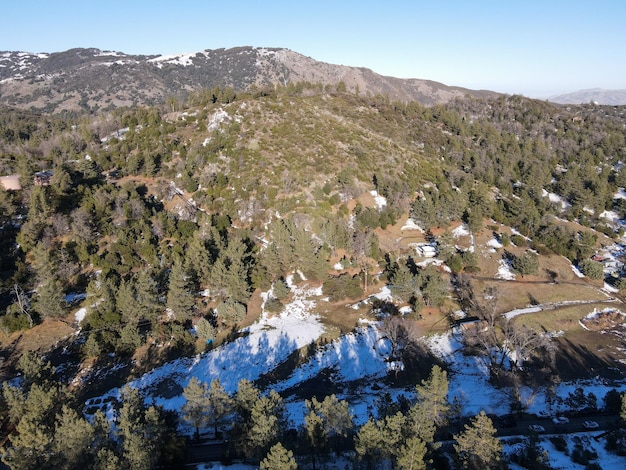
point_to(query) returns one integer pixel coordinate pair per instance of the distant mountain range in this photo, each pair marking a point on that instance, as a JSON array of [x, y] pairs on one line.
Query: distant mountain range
[[594, 95], [91, 79]]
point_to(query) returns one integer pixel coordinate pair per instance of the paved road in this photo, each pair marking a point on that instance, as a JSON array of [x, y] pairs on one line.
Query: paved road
[[575, 424]]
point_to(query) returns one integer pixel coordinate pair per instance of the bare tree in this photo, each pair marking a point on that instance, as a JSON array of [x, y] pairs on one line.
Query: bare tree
[[22, 303], [401, 334], [526, 343]]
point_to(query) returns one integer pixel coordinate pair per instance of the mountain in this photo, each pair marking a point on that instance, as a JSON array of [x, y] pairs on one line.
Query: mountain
[[593, 95], [92, 79]]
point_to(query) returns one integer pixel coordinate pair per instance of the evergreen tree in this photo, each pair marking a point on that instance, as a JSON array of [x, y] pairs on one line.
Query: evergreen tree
[[327, 420], [219, 404], [478, 447], [74, 437], [432, 394], [196, 407], [180, 300], [231, 311], [50, 300], [404, 285], [262, 430], [126, 302], [147, 296], [279, 458], [369, 443], [205, 330], [140, 431], [412, 455]]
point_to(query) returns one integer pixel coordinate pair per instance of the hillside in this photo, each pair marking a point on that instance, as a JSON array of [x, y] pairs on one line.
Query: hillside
[[594, 95], [91, 79], [304, 241]]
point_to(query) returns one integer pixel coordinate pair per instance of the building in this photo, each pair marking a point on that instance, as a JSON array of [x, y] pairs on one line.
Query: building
[[11, 182]]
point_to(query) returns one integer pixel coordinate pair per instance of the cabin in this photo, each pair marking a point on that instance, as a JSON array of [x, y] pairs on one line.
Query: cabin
[[11, 182]]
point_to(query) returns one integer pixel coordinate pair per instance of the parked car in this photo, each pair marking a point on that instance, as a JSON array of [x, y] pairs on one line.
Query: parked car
[[543, 414], [560, 420], [590, 425], [536, 428]]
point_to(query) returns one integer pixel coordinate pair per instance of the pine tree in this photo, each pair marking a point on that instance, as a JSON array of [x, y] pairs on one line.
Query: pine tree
[[147, 296], [369, 443], [126, 302], [205, 330], [478, 447], [180, 300], [50, 300], [219, 404], [411, 456], [433, 395], [266, 421], [405, 285], [196, 407], [279, 458], [73, 440], [327, 420], [140, 431]]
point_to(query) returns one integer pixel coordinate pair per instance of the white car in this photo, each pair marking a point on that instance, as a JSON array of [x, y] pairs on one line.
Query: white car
[[560, 420], [590, 425], [536, 428]]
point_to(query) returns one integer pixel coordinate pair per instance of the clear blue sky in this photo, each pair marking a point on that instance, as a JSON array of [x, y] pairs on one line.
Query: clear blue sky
[[536, 48]]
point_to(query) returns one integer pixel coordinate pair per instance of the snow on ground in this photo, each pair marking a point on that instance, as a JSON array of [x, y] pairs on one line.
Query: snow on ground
[[175, 59], [468, 377], [504, 271], [494, 243], [620, 194], [357, 355], [558, 459], [460, 231], [355, 359], [577, 271], [610, 215], [521, 311], [383, 294], [379, 200], [80, 314], [411, 225], [556, 199], [259, 349]]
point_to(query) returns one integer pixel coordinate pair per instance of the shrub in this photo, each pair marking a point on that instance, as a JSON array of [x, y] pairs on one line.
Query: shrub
[[582, 455], [341, 287], [231, 311], [281, 289], [592, 269], [559, 443], [204, 329], [518, 240], [526, 263], [274, 305]]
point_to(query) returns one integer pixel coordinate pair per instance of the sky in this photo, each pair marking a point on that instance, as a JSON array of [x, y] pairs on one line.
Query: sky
[[537, 48]]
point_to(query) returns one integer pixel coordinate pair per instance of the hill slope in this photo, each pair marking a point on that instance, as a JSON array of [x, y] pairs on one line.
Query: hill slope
[[594, 95]]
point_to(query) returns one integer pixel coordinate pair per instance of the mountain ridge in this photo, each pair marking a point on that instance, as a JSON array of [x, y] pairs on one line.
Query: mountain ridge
[[92, 79]]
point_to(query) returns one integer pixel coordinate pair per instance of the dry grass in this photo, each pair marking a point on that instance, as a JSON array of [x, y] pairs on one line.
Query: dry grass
[[565, 319]]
